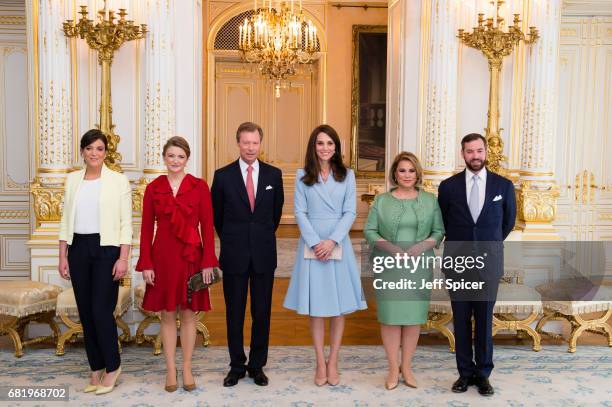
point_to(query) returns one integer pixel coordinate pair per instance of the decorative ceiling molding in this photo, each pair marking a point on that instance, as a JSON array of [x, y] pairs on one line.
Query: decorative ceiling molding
[[587, 8]]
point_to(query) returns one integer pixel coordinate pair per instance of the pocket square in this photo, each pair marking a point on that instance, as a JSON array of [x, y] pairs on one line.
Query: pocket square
[[497, 198], [268, 187]]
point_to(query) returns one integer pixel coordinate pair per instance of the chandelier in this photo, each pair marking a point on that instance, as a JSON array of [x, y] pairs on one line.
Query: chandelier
[[277, 39]]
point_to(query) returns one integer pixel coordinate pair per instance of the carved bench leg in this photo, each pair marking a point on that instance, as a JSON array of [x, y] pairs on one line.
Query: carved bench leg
[[157, 345], [74, 329], [512, 323], [549, 316], [14, 327], [10, 326], [126, 335], [438, 321], [578, 325], [144, 324], [202, 329]]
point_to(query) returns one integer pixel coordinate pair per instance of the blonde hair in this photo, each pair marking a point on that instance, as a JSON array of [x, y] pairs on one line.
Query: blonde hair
[[410, 157]]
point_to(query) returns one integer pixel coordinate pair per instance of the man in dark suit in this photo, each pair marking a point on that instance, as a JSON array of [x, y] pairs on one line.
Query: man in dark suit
[[477, 206], [247, 197]]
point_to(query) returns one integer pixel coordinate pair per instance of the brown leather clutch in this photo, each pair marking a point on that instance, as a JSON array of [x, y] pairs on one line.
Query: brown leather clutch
[[196, 282]]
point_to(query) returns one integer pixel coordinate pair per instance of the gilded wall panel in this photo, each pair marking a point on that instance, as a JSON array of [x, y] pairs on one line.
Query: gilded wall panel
[[14, 111], [14, 143]]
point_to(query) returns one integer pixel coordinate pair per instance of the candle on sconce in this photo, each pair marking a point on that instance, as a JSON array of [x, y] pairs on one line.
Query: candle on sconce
[[495, 14]]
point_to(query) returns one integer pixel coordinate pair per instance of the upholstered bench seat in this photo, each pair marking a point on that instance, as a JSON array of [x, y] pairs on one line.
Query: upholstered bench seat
[[67, 310], [514, 300], [576, 312], [22, 302], [66, 303]]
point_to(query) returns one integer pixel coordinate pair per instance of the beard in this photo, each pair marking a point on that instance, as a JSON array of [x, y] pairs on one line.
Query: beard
[[475, 165]]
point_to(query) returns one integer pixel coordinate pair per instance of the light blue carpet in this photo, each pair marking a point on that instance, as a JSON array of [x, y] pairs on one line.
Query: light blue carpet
[[521, 377]]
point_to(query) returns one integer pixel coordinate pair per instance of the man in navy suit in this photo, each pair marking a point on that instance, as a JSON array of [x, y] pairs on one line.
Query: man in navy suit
[[247, 197], [477, 206]]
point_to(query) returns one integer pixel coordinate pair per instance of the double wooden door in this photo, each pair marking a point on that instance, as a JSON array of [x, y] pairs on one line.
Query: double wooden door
[[241, 95]]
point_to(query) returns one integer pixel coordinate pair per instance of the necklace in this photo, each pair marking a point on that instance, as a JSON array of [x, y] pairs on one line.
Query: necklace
[[173, 186]]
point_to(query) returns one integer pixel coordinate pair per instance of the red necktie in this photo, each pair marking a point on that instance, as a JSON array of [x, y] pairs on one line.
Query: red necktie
[[250, 188]]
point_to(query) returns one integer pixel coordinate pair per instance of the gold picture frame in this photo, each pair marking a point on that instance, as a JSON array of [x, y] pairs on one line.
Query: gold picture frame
[[368, 104]]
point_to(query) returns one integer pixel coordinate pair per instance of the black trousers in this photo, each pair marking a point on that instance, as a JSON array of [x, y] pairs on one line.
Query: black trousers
[[91, 268], [235, 288], [479, 360]]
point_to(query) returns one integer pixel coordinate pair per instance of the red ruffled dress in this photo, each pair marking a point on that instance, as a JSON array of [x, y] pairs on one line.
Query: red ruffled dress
[[177, 252]]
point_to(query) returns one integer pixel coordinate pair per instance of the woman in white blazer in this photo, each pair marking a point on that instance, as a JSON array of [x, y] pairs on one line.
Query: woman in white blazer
[[94, 244]]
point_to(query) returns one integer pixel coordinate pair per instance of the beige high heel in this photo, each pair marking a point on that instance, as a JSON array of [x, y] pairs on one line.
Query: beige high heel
[[332, 382], [172, 387], [190, 386], [90, 388], [410, 380], [393, 385], [107, 389]]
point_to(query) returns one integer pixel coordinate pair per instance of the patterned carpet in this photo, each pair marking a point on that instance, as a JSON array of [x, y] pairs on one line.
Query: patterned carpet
[[521, 377]]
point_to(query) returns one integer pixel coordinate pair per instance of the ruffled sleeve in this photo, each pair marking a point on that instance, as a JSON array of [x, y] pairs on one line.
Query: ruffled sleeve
[[146, 232]]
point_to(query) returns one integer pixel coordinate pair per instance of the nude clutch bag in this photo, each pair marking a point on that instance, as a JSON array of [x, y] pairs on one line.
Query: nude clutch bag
[[336, 253]]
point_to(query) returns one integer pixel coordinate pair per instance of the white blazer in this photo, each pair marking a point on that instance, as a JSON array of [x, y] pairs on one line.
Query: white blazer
[[115, 207]]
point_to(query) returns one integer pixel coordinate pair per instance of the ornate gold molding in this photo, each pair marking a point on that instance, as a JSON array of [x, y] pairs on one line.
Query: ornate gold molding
[[585, 187], [537, 203], [138, 194], [431, 186], [11, 184], [12, 20], [14, 214], [48, 202], [605, 216]]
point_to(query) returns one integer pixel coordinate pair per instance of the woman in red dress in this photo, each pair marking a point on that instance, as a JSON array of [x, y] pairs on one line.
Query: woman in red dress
[[178, 203]]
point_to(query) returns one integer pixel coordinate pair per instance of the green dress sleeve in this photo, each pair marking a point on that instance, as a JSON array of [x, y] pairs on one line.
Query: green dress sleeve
[[370, 230]]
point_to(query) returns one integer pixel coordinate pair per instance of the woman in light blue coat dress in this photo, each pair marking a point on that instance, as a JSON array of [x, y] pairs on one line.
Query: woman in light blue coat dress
[[326, 279]]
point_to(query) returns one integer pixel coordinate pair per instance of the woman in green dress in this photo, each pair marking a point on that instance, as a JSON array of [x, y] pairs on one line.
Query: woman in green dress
[[405, 220]]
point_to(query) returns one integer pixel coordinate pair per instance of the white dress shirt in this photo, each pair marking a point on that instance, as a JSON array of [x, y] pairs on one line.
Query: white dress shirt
[[87, 217], [482, 184], [243, 170]]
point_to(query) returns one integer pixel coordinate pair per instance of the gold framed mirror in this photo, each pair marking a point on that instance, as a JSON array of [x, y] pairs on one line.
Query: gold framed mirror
[[369, 100]]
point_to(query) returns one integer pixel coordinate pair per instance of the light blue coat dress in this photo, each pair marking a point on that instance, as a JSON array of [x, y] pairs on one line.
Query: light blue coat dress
[[325, 210]]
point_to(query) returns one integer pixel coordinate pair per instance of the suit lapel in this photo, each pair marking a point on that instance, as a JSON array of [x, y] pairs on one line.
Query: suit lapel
[[261, 183], [488, 194], [463, 198], [321, 189], [240, 186]]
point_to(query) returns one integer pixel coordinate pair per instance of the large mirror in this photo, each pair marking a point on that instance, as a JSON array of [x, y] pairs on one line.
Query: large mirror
[[369, 95]]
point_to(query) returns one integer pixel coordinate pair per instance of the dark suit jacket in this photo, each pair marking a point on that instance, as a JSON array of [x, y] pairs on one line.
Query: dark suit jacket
[[247, 236], [494, 223]]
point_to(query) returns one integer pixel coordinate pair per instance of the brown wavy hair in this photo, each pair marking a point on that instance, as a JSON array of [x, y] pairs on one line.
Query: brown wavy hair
[[177, 141], [311, 162]]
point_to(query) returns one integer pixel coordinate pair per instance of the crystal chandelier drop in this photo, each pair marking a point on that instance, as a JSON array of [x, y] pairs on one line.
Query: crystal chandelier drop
[[277, 39]]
